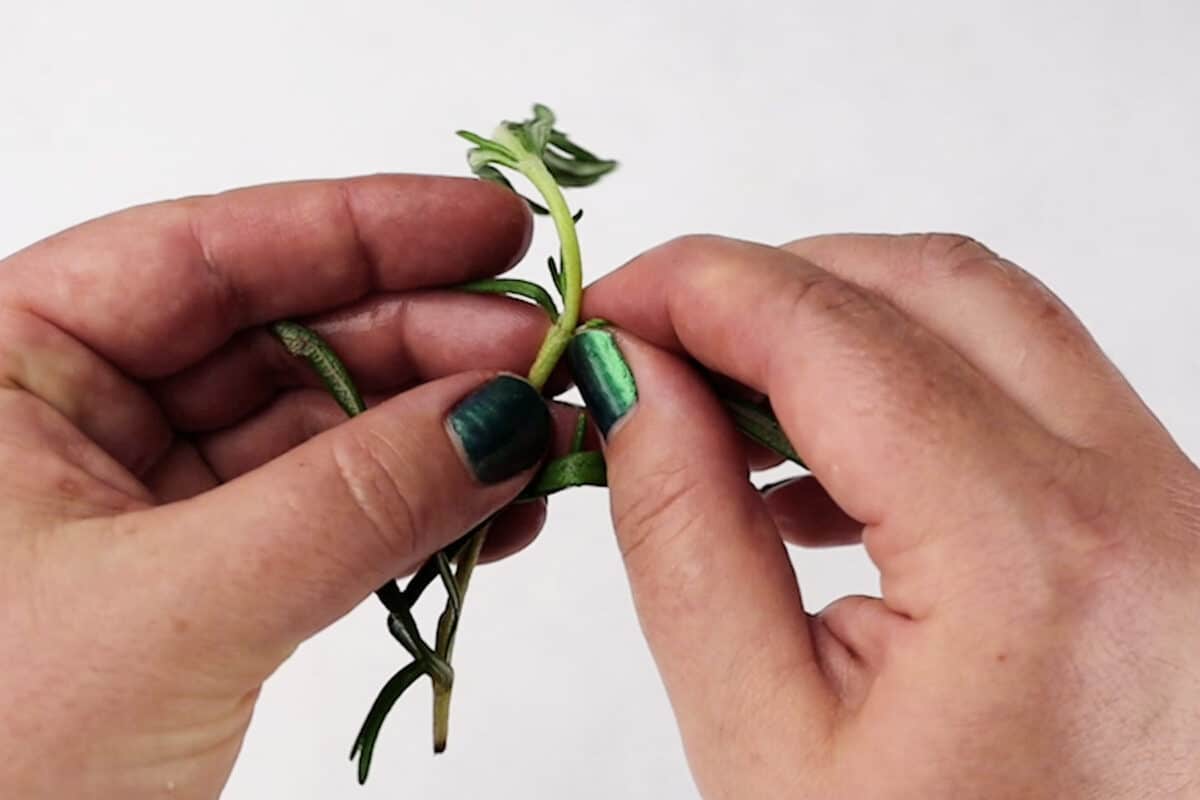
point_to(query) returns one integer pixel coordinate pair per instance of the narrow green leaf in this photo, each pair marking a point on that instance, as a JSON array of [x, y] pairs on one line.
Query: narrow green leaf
[[404, 635], [390, 595], [577, 469], [364, 744], [488, 145], [581, 428], [476, 139], [574, 173], [514, 286], [485, 171], [451, 585], [555, 274], [594, 322], [404, 630], [563, 142], [540, 128], [757, 421], [305, 343], [447, 630], [478, 158], [489, 173], [429, 572], [536, 207], [574, 166]]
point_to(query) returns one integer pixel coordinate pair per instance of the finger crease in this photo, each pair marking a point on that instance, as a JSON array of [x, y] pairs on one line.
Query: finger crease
[[230, 298], [362, 252]]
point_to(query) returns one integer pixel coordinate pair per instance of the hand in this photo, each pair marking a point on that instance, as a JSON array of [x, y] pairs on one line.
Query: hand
[[1036, 530], [169, 534]]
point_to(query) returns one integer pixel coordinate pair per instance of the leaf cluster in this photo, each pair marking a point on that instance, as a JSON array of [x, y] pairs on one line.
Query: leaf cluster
[[571, 165]]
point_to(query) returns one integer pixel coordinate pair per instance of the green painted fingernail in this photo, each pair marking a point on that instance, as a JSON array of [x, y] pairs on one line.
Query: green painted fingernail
[[603, 377], [502, 428]]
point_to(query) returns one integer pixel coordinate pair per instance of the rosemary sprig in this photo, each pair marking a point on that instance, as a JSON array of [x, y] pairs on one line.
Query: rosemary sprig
[[548, 159]]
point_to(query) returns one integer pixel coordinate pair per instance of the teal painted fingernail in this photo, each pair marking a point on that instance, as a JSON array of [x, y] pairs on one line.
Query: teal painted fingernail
[[502, 428], [603, 377]]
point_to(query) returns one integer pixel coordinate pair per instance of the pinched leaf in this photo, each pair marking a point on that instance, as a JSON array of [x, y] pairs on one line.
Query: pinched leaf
[[593, 323], [758, 422], [577, 469]]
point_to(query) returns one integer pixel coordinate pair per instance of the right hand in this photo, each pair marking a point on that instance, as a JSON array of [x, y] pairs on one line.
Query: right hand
[[1036, 529]]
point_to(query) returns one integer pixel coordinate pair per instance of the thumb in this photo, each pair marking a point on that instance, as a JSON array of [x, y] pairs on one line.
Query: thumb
[[711, 581], [281, 552]]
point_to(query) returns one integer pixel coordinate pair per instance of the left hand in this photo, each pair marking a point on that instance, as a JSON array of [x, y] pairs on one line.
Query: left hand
[[177, 518]]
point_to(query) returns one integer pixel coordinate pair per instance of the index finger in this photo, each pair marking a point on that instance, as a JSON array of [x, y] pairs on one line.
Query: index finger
[[154, 288]]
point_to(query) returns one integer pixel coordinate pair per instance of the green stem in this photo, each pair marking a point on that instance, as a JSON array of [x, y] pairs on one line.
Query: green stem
[[553, 347], [446, 631], [559, 336]]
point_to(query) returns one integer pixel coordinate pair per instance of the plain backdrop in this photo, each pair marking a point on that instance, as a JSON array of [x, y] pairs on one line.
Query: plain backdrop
[[1063, 134]]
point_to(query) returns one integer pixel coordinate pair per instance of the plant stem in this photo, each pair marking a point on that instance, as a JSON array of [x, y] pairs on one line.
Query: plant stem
[[447, 628], [553, 347], [559, 336]]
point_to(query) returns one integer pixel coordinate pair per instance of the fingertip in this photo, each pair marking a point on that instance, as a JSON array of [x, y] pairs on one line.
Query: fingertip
[[492, 225], [513, 218], [514, 529], [807, 516]]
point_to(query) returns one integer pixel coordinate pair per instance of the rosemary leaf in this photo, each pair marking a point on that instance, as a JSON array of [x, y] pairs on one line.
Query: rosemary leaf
[[517, 287], [577, 469], [364, 744]]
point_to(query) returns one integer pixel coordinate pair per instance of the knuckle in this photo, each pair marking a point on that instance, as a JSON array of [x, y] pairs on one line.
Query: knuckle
[[957, 256], [822, 295], [1082, 505], [689, 246], [691, 251], [943, 251], [223, 291], [374, 475]]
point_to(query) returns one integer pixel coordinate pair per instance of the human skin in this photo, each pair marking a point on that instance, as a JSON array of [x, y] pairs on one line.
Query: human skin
[[178, 515], [1036, 529]]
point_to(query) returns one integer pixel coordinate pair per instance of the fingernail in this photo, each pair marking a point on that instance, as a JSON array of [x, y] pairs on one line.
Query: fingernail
[[502, 428], [603, 377]]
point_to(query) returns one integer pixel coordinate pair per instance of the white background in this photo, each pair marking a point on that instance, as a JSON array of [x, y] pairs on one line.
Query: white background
[[1065, 135]]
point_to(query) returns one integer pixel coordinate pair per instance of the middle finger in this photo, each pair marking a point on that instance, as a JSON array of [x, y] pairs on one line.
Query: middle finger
[[387, 342]]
